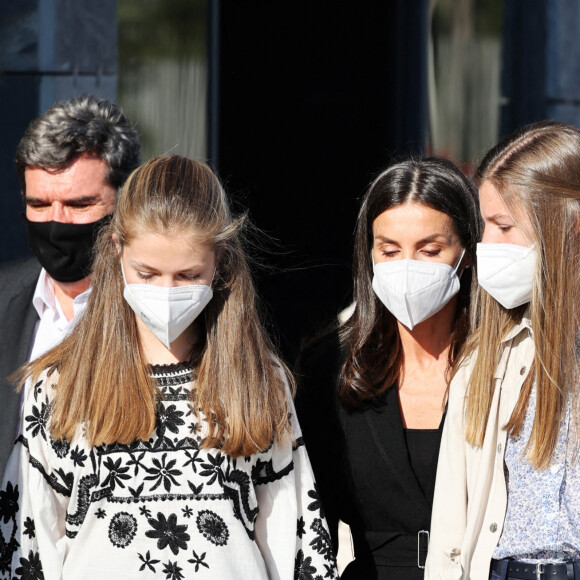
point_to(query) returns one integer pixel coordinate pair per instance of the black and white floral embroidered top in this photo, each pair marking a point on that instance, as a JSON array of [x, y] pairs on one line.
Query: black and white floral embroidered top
[[161, 508]]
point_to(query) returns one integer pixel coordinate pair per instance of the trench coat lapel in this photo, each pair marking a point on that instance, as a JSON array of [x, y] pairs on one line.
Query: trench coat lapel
[[386, 426]]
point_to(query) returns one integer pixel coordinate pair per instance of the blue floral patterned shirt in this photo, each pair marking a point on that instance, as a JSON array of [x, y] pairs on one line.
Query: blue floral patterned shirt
[[543, 510]]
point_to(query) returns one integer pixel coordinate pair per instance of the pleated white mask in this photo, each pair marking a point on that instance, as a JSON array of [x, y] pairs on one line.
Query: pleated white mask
[[167, 312], [506, 272], [414, 290]]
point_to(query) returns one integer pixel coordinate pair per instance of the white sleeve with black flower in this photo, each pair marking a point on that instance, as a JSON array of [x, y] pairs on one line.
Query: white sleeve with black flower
[[33, 499], [291, 529]]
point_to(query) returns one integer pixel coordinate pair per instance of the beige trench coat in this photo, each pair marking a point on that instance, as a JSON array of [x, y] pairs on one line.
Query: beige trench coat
[[470, 492]]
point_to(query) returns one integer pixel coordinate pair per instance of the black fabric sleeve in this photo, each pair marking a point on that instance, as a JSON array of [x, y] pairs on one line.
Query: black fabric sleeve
[[317, 408]]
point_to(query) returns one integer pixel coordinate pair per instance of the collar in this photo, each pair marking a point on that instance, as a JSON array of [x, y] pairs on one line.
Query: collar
[[44, 298], [524, 324]]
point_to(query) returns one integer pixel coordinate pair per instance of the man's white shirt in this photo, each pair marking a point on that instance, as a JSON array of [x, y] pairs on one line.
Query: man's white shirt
[[52, 325]]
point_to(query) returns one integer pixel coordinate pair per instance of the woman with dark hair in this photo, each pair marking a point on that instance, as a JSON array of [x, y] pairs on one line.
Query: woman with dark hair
[[373, 391], [159, 439]]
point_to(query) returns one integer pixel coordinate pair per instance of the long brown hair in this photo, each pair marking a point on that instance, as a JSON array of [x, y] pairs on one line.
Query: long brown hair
[[103, 377], [536, 171], [370, 337]]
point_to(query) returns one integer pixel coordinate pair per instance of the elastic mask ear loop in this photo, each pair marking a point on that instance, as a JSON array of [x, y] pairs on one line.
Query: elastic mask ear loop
[[459, 263]]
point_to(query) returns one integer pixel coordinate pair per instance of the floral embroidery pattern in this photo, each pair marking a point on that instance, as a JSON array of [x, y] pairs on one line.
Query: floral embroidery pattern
[[38, 420], [168, 533], [303, 569], [78, 456], [212, 527], [321, 541], [198, 561], [168, 419], [147, 562], [29, 528], [300, 527], [550, 495], [116, 473], [182, 504], [61, 447], [163, 472], [122, 529], [172, 571], [9, 502], [212, 469], [30, 568]]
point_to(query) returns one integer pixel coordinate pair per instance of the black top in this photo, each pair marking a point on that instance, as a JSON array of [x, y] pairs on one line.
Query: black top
[[423, 447], [363, 468]]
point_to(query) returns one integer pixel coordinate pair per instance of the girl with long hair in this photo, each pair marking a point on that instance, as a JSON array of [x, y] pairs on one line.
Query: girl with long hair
[[507, 503], [372, 398], [159, 440]]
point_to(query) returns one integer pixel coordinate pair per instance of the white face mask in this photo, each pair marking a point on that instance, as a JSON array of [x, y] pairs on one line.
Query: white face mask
[[167, 312], [506, 272], [414, 290]]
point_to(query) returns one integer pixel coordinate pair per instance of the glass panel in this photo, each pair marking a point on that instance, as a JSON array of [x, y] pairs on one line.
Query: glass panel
[[163, 73], [464, 78]]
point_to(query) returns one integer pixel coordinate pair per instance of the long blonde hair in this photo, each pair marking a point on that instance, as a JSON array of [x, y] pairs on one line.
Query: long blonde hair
[[536, 171], [103, 376]]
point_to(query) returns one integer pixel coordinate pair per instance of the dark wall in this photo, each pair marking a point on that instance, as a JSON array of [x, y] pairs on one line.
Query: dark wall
[[312, 99], [541, 62], [49, 50]]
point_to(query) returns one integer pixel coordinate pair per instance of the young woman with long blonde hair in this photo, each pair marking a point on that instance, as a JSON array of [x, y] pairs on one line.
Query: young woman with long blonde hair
[[507, 499], [158, 439]]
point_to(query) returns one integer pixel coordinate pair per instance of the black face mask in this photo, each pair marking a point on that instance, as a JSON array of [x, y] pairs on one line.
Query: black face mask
[[64, 250]]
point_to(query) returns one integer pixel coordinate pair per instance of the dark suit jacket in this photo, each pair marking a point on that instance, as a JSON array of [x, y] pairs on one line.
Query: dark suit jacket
[[362, 467], [17, 322]]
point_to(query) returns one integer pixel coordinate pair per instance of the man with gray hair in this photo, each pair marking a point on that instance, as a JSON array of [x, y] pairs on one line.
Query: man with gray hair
[[70, 163]]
